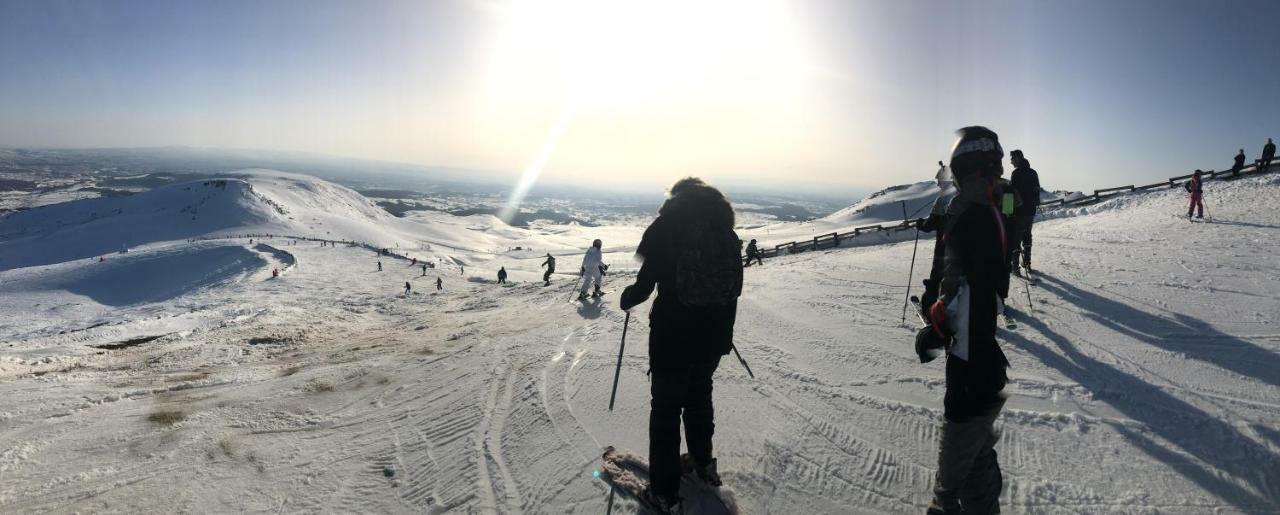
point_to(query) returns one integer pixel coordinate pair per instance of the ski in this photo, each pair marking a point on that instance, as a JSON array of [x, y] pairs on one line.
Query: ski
[[915, 301], [1006, 322], [628, 472]]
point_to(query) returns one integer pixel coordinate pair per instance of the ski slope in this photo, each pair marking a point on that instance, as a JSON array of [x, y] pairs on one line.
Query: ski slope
[[182, 377]]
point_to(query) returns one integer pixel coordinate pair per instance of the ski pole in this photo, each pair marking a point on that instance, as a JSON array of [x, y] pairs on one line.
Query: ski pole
[[1026, 286], [743, 361], [910, 274], [618, 371]]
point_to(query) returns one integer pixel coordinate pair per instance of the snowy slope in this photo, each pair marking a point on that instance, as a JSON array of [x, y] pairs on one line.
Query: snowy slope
[[1146, 380]]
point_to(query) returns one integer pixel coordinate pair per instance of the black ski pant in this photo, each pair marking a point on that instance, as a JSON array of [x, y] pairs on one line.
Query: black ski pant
[[1263, 164], [1020, 240], [682, 389], [546, 276]]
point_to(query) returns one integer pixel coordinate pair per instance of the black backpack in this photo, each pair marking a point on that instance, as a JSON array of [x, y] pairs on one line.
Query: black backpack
[[708, 266]]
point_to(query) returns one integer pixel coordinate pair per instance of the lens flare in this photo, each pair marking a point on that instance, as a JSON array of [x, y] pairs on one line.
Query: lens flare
[[531, 173]]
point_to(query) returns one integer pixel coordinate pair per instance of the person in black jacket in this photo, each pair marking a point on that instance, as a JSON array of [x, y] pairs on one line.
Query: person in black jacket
[[1238, 164], [1268, 153], [963, 321], [753, 253], [685, 341], [502, 275], [550, 263], [1026, 183]]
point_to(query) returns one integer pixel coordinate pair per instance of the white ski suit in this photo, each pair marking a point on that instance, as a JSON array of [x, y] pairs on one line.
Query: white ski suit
[[591, 263]]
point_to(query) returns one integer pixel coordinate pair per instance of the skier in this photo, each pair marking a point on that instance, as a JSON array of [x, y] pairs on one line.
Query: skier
[[963, 321], [935, 222], [1268, 153], [1026, 183], [275, 272], [379, 266], [424, 269], [407, 287], [690, 327], [439, 284], [502, 275], [1238, 164], [414, 262], [550, 263], [1196, 188], [754, 253], [592, 271]]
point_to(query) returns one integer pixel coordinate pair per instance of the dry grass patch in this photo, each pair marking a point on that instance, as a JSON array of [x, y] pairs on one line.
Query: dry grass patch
[[167, 416]]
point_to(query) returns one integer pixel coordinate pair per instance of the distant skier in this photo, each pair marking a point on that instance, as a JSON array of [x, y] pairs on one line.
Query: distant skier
[[102, 259], [407, 287], [550, 263], [593, 270], [275, 272], [753, 253], [424, 269], [963, 321], [414, 262], [1196, 188], [462, 270], [1268, 153], [379, 266], [690, 327], [1238, 164], [1026, 183], [502, 275], [439, 284]]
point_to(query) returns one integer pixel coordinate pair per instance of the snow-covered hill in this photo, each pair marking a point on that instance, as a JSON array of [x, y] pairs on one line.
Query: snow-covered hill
[[182, 377]]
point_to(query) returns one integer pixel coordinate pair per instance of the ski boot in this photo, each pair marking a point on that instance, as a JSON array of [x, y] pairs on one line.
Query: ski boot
[[582, 296], [708, 473], [660, 504], [597, 294]]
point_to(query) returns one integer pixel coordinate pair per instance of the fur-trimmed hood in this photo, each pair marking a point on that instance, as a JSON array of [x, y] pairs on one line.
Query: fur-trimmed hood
[[691, 199]]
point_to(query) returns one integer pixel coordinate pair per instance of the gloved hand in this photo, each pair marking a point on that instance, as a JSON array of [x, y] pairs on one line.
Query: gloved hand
[[929, 344], [628, 299], [582, 271]]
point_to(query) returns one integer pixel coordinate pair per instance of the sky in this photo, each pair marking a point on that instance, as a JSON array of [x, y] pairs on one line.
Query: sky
[[806, 94]]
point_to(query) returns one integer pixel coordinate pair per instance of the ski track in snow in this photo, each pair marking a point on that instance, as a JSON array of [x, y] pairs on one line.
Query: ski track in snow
[[1147, 380]]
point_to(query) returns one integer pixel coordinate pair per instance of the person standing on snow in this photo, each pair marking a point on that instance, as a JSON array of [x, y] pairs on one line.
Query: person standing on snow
[[753, 252], [502, 275], [439, 284], [1238, 164], [593, 269], [691, 255], [424, 269], [963, 321], [550, 263], [1196, 188], [1268, 153], [379, 266], [1026, 184], [407, 287], [936, 221]]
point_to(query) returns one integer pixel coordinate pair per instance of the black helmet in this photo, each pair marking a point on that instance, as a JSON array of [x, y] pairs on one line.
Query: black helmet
[[597, 243], [976, 152]]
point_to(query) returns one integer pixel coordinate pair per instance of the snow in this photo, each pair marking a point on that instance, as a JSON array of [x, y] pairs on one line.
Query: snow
[[1147, 379]]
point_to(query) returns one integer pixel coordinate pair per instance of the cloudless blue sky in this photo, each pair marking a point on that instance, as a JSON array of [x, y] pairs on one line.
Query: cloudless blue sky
[[1097, 93]]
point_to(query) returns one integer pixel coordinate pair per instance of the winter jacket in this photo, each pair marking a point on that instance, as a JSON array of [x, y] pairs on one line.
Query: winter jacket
[[975, 270], [1268, 151], [752, 250], [592, 260], [680, 334], [1026, 182], [550, 263], [1194, 186]]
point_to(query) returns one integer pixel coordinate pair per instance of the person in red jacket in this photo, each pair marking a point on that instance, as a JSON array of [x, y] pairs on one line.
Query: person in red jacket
[[1196, 188]]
